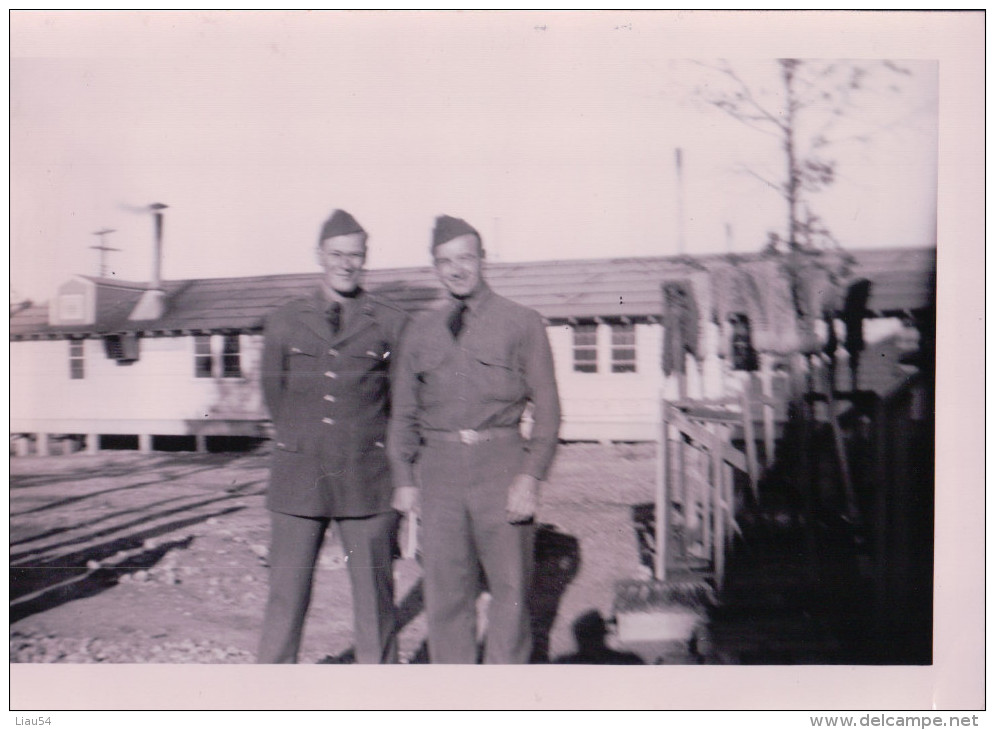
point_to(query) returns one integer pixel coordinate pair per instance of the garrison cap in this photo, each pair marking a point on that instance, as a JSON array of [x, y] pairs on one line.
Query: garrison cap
[[590, 625], [339, 223], [447, 228]]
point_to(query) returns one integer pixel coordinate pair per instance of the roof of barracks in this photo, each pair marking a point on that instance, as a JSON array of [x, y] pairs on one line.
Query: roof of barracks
[[902, 280]]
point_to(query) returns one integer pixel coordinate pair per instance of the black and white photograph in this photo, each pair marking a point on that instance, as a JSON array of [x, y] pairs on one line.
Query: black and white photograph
[[517, 339]]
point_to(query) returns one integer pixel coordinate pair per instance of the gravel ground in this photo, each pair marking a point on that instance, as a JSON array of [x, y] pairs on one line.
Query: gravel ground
[[123, 557]]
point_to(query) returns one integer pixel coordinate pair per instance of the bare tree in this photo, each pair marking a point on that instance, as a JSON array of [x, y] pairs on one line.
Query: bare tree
[[810, 108]]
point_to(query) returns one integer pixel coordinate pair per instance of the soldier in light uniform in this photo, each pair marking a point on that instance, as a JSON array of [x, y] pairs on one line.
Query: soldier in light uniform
[[325, 367], [464, 377]]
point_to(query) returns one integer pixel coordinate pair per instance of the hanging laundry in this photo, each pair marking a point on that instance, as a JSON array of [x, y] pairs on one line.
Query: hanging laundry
[[778, 332], [854, 311], [702, 293], [817, 290], [760, 290], [744, 355], [680, 325]]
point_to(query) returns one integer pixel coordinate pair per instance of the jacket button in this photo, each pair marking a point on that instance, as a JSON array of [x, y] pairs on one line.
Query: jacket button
[[329, 421], [329, 398], [330, 374], [333, 352]]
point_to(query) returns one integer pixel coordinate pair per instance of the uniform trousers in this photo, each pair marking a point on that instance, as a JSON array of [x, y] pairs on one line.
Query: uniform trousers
[[369, 547], [465, 528]]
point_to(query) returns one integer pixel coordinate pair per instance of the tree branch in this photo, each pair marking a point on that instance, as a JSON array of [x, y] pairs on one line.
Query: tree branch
[[737, 103], [753, 173]]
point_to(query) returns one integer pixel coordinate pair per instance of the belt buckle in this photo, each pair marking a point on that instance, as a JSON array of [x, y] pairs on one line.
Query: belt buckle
[[469, 437]]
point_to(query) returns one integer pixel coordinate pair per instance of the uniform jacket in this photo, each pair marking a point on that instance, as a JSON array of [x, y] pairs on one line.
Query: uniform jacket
[[500, 364], [329, 400]]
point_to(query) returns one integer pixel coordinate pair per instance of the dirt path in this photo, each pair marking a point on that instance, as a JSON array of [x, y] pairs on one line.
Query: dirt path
[[125, 557]]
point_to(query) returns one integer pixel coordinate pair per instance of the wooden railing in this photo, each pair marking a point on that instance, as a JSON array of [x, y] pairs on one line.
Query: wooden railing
[[695, 496]]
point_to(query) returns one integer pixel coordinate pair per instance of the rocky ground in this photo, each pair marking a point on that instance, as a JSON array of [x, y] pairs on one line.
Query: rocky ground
[[123, 557]]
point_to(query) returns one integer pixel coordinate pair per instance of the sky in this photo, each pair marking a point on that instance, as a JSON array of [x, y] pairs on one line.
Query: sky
[[554, 133]]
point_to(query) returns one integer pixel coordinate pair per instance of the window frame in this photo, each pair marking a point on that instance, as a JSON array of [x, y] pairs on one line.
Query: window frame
[[623, 340], [231, 359], [581, 365], [199, 356], [77, 359]]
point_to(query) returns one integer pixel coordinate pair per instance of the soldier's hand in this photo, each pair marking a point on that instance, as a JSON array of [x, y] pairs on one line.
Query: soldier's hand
[[406, 500], [523, 499]]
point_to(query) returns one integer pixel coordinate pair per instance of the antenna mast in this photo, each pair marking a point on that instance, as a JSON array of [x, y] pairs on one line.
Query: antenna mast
[[103, 248], [679, 166]]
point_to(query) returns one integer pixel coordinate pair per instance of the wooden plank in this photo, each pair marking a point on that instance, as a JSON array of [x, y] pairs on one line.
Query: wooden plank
[[768, 405], [749, 437], [662, 508], [682, 491], [702, 435], [712, 414], [718, 519]]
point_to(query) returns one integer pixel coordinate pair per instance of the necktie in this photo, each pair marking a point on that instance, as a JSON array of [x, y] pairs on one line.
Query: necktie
[[456, 318], [334, 315]]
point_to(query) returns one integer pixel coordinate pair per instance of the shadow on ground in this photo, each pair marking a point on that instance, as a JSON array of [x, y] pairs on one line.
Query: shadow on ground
[[557, 562], [45, 574]]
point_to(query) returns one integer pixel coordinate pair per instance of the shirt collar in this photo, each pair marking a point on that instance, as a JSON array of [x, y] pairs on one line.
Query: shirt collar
[[323, 296], [476, 300]]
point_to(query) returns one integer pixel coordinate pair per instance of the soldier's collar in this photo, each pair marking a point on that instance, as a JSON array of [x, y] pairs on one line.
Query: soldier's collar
[[323, 296], [326, 295], [477, 299]]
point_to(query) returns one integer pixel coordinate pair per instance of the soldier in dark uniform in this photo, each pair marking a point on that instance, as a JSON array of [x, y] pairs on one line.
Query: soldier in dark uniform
[[464, 377], [325, 365]]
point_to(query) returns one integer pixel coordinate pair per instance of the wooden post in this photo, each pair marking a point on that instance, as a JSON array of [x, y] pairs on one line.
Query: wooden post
[[900, 585], [880, 527], [682, 491], [728, 522], [22, 446], [728, 491], [718, 517], [707, 462], [805, 478], [767, 395], [750, 437], [92, 443], [43, 445], [200, 443], [145, 442], [839, 444], [661, 507]]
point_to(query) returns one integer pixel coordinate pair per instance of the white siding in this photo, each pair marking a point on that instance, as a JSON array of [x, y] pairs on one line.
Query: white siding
[[159, 393], [607, 406], [158, 390]]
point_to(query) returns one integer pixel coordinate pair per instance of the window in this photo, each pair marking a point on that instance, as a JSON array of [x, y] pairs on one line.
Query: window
[[231, 358], [203, 363], [76, 359], [586, 348], [623, 348]]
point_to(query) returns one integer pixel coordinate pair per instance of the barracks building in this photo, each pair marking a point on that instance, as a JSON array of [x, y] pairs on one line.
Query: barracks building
[[175, 364]]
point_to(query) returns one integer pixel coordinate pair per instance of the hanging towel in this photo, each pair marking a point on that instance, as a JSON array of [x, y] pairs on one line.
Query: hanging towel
[[680, 325], [761, 291], [854, 309]]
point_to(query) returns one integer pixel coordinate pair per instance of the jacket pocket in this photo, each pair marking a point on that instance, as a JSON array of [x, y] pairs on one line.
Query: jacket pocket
[[301, 366], [372, 359], [499, 376]]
